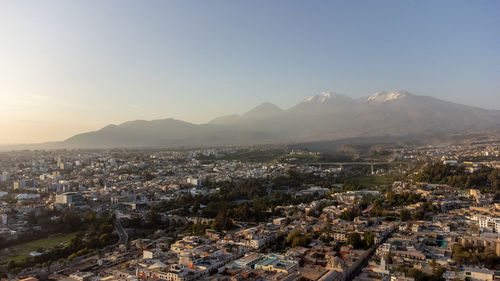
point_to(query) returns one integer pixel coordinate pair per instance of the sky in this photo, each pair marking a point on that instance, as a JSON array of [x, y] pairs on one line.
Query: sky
[[68, 67]]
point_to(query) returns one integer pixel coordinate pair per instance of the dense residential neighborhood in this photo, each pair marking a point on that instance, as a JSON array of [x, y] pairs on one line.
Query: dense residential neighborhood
[[417, 213]]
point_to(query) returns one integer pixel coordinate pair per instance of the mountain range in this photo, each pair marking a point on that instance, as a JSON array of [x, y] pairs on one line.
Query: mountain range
[[326, 116]]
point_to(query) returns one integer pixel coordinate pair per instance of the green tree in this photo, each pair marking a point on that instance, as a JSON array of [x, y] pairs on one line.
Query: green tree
[[369, 239], [222, 222], [153, 218], [354, 239], [297, 238], [404, 215]]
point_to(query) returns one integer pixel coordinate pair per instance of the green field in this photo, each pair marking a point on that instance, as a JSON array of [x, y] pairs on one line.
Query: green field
[[372, 181], [256, 156], [20, 251]]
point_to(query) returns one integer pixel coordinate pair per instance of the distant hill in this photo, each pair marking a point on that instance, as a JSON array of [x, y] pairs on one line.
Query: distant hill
[[323, 117]]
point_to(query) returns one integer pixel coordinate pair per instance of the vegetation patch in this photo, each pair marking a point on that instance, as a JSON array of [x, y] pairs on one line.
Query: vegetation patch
[[373, 181], [20, 251]]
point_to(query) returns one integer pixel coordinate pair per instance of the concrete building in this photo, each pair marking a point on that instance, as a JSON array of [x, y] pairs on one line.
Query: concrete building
[[194, 181], [21, 184], [474, 274], [69, 198]]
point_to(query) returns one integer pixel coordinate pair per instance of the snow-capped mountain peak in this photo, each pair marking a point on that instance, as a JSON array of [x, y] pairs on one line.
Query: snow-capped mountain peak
[[322, 98], [325, 96], [386, 96]]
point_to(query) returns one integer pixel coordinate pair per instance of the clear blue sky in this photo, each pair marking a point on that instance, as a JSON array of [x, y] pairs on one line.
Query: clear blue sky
[[72, 66]]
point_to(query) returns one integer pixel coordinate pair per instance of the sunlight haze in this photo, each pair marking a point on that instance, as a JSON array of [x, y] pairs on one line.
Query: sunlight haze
[[74, 66]]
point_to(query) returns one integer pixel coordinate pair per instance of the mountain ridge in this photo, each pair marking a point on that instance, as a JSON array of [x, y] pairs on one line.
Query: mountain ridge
[[327, 116]]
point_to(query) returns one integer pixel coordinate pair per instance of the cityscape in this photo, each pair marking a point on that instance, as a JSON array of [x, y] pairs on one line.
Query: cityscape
[[284, 140], [252, 213]]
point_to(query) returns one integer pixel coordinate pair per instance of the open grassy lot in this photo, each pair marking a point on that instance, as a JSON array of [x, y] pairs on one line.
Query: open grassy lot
[[20, 251], [372, 181]]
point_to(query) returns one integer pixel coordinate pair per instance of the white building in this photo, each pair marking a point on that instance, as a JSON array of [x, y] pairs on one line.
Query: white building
[[490, 224], [27, 196], [478, 273], [194, 181]]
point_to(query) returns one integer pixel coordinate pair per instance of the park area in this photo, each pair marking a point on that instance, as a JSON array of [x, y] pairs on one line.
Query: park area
[[373, 181], [20, 251]]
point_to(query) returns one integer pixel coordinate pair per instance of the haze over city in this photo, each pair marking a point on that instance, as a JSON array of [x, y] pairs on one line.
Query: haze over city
[[70, 67]]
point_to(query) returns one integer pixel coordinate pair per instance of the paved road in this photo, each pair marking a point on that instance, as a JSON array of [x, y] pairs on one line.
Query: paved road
[[362, 265], [122, 234]]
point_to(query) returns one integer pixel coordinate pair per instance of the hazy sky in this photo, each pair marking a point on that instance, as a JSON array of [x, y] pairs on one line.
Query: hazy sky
[[73, 66]]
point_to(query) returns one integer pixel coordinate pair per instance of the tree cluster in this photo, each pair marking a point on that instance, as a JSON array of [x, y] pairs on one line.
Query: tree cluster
[[485, 178], [475, 255], [298, 239], [360, 242]]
